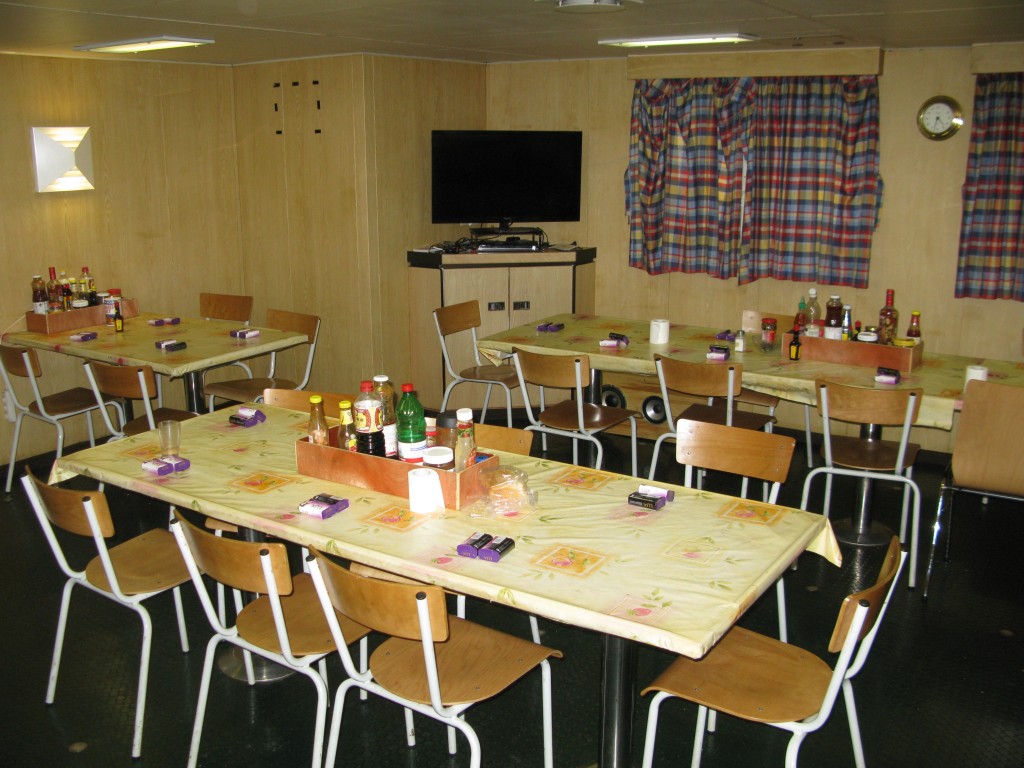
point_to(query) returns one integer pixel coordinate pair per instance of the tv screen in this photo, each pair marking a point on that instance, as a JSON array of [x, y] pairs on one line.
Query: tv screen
[[505, 176]]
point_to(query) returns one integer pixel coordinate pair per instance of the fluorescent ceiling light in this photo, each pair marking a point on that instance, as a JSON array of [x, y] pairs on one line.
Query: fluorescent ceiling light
[[589, 6], [141, 44], [645, 42]]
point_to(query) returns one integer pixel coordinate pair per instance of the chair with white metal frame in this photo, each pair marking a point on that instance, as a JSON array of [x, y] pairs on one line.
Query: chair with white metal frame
[[431, 663], [129, 383], [880, 459], [704, 380], [746, 452], [128, 573], [458, 318], [985, 458], [573, 418], [251, 389], [285, 624], [762, 680], [52, 409]]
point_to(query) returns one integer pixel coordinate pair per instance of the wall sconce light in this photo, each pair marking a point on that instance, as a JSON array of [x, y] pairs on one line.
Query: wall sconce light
[[63, 159]]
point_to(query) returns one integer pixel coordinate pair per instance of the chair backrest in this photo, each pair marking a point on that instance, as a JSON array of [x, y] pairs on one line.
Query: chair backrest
[[991, 422], [296, 322], [225, 306], [708, 379], [875, 596], [385, 606], [22, 362], [234, 562], [867, 405], [132, 382], [298, 400], [751, 453], [554, 370], [453, 319], [508, 439]]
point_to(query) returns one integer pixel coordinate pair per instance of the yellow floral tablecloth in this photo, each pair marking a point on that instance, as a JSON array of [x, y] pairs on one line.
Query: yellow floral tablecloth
[[209, 344], [677, 578], [940, 376]]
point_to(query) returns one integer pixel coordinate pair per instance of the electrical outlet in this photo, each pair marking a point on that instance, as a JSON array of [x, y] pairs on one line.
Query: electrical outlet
[[9, 413]]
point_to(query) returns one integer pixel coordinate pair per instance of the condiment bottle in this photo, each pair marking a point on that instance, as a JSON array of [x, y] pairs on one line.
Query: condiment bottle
[[888, 320], [769, 327], [847, 327], [54, 295], [741, 341], [800, 319], [446, 429], [118, 318], [814, 319], [412, 427], [40, 302], [914, 331], [317, 421], [390, 427], [367, 413], [347, 434], [794, 346], [833, 318], [465, 443]]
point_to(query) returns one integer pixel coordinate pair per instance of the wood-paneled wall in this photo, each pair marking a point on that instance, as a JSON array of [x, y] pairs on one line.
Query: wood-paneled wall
[[197, 190]]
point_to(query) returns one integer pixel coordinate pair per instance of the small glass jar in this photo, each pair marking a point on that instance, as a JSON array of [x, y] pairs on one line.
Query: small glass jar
[[769, 329], [869, 334], [439, 457]]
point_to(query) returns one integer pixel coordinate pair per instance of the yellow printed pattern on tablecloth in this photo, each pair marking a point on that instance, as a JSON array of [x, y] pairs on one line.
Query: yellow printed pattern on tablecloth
[[698, 552], [752, 512], [260, 482], [571, 560], [583, 479], [397, 518]]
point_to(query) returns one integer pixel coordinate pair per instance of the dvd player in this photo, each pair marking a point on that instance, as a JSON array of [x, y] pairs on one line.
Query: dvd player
[[506, 247]]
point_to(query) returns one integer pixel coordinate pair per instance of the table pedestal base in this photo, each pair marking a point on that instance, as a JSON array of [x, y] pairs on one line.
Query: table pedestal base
[[876, 535], [232, 663]]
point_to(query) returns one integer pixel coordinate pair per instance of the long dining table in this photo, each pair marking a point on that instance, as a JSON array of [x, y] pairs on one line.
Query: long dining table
[[208, 345], [677, 578]]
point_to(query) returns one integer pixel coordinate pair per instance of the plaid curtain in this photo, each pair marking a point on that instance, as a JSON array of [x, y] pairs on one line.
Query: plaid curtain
[[766, 177], [991, 259]]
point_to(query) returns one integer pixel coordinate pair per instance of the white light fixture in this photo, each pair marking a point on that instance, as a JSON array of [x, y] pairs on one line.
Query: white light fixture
[[142, 44], [590, 6], [63, 159], [646, 42]]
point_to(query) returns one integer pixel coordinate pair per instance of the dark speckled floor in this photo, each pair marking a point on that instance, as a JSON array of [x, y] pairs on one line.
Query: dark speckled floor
[[944, 686]]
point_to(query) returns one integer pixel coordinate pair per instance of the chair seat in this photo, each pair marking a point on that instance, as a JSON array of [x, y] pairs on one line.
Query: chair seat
[[148, 563], [141, 424], [716, 414], [69, 401], [564, 416], [246, 390], [870, 455], [504, 374], [751, 676], [308, 630], [474, 664]]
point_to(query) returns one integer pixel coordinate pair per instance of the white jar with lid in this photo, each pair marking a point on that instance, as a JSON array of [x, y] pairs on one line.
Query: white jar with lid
[[439, 457]]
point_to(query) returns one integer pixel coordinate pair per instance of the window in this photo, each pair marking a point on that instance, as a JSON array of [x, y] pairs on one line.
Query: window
[[755, 177], [991, 260]]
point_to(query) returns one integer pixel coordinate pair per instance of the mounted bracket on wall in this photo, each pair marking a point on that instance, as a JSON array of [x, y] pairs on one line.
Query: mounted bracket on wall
[[63, 159]]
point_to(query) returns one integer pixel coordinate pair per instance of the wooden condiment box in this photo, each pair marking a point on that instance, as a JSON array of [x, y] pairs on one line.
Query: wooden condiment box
[[74, 319], [904, 359], [386, 475]]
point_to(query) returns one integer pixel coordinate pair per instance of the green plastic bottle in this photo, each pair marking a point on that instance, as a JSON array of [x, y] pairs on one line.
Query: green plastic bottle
[[412, 427]]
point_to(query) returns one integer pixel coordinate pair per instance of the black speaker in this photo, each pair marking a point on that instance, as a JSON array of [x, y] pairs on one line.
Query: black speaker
[[654, 410], [612, 397]]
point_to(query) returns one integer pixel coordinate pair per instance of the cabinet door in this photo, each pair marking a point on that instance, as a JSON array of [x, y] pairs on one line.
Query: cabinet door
[[537, 292], [490, 288]]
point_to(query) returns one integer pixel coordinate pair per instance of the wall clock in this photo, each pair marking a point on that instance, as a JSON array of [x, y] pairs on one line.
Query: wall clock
[[939, 118]]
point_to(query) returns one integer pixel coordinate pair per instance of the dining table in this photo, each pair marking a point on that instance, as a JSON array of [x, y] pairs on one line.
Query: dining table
[[208, 344], [678, 577], [941, 377]]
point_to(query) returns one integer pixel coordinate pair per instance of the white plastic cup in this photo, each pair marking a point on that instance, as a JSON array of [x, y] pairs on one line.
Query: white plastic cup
[[659, 331]]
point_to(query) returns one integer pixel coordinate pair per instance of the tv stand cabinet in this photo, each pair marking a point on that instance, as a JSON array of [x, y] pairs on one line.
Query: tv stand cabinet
[[513, 288]]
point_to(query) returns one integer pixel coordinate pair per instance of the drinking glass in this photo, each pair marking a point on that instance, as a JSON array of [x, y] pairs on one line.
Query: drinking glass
[[170, 437]]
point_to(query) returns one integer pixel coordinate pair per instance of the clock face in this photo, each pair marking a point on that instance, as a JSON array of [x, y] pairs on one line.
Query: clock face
[[939, 118]]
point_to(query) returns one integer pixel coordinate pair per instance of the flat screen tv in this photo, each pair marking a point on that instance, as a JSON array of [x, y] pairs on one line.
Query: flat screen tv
[[503, 177]]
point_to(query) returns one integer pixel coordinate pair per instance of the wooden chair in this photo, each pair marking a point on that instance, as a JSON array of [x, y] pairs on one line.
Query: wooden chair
[[705, 380], [129, 383], [984, 461], [879, 458], [251, 389], [751, 325], [760, 455], [285, 624], [298, 400], [763, 680], [128, 573], [575, 418], [227, 306], [52, 409], [431, 663], [459, 318]]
